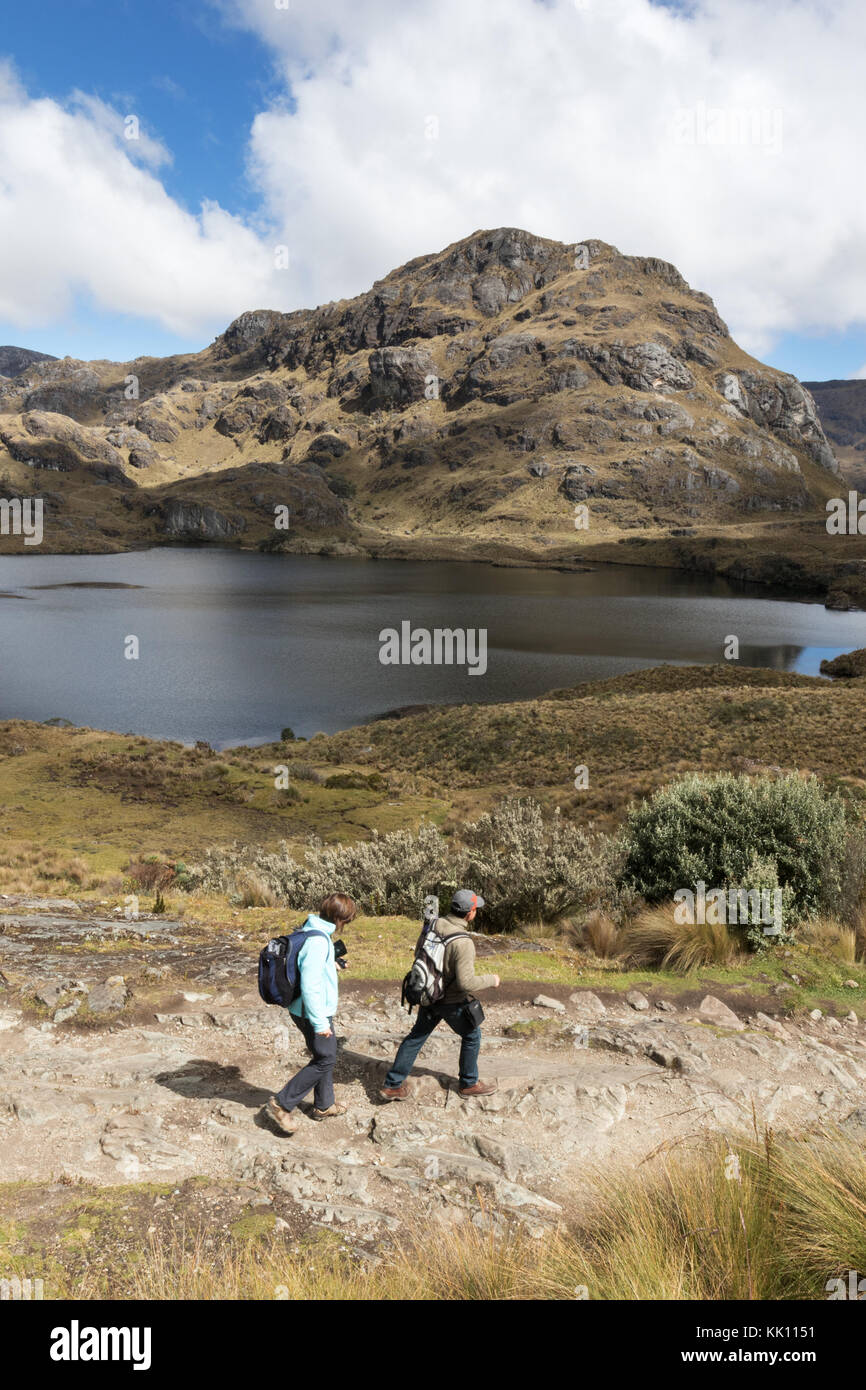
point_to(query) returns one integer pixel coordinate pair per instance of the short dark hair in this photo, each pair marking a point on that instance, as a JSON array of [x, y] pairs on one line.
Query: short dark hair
[[338, 907]]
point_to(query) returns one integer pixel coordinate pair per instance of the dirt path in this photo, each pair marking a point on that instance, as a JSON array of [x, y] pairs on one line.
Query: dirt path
[[139, 1052]]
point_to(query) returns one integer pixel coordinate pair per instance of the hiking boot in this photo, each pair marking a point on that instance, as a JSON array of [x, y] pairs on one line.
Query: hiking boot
[[481, 1088], [395, 1092], [335, 1109], [286, 1120]]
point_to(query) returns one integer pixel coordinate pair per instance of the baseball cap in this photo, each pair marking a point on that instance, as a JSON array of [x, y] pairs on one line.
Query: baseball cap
[[464, 900]]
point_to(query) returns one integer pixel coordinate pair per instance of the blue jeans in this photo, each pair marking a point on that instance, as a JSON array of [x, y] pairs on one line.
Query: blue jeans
[[429, 1018], [318, 1075]]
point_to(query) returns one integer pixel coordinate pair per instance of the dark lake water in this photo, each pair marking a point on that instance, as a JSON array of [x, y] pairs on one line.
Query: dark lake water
[[233, 646]]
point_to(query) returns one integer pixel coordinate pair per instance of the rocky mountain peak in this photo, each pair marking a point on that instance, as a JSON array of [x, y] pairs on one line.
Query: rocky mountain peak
[[485, 389]]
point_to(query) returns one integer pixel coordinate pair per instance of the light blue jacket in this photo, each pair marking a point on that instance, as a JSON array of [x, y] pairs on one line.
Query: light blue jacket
[[318, 997]]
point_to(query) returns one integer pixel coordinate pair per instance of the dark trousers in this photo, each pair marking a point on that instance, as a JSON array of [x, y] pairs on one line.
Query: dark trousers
[[318, 1075], [459, 1022]]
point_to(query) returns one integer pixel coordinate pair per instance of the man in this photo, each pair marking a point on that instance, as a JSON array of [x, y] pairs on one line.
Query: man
[[313, 1014], [461, 984]]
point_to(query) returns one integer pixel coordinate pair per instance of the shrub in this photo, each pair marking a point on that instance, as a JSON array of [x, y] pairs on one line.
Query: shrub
[[304, 772], [529, 867], [150, 873], [286, 796], [287, 735], [354, 780], [714, 828], [387, 874], [533, 868], [762, 877], [853, 873]]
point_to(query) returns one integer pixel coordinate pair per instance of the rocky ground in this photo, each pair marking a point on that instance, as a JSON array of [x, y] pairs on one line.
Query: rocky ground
[[139, 1052]]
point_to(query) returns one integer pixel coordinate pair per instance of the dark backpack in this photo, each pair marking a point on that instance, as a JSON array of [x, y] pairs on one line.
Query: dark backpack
[[279, 976]]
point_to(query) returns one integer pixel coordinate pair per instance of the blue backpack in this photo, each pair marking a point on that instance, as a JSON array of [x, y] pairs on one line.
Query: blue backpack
[[279, 976]]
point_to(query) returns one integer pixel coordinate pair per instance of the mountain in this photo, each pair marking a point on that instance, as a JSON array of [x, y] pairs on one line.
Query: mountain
[[14, 360], [465, 405], [842, 409]]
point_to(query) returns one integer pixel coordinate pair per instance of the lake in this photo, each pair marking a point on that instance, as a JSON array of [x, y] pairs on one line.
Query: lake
[[235, 646]]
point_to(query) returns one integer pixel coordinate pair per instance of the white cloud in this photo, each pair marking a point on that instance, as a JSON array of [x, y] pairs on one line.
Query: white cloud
[[82, 211], [726, 140]]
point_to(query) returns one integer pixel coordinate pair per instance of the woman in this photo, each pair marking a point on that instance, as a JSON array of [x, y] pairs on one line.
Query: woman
[[313, 1013]]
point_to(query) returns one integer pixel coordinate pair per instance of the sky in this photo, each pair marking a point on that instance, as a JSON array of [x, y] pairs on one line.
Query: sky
[[165, 166]]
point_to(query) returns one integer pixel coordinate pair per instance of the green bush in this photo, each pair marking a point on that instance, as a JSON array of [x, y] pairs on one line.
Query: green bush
[[715, 827]]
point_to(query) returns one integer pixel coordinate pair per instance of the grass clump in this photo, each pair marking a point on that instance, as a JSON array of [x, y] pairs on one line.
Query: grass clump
[[657, 938], [741, 1219]]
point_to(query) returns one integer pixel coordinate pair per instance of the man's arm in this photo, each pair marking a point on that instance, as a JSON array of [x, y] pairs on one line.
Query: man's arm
[[463, 965]]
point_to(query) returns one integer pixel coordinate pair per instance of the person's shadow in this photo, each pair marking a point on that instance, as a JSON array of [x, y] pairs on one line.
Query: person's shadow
[[201, 1079]]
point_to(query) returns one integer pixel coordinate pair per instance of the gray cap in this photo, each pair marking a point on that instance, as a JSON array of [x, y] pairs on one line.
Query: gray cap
[[464, 900]]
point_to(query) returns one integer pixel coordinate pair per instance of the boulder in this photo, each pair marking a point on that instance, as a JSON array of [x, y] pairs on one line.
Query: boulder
[[108, 996], [398, 376], [587, 1004], [712, 1010], [545, 1001]]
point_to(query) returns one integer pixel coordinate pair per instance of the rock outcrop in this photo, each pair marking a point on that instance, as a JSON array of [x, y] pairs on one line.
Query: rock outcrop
[[14, 360], [482, 390]]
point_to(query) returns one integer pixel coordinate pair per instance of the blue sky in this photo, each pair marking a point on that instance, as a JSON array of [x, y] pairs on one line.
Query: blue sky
[[305, 128], [197, 83]]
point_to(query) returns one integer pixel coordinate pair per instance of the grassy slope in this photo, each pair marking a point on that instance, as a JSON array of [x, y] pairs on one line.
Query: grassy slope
[[106, 797], [78, 805]]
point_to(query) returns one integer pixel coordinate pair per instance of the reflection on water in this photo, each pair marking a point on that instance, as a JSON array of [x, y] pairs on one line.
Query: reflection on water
[[235, 646]]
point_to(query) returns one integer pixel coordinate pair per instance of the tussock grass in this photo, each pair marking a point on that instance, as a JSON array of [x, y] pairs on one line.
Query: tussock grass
[[832, 938], [601, 935], [254, 891], [655, 938], [741, 1219]]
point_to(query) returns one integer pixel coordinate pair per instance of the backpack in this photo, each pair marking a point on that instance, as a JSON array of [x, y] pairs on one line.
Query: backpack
[[424, 983], [279, 976]]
